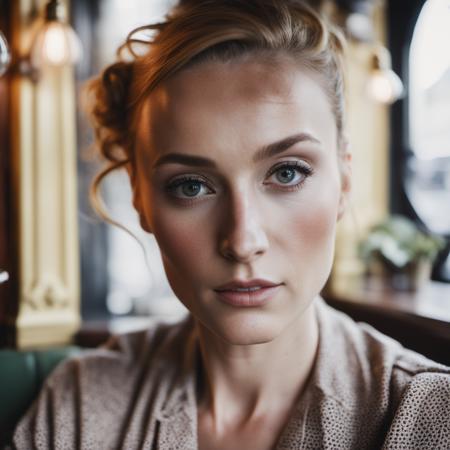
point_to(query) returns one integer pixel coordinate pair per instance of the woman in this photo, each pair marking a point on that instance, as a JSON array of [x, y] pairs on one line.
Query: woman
[[231, 128]]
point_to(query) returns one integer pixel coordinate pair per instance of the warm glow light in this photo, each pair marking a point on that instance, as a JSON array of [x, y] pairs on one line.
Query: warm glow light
[[56, 45], [4, 276], [359, 26], [5, 55], [385, 86]]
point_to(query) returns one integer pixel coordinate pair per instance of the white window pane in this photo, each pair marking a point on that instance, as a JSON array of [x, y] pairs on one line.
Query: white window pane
[[430, 82]]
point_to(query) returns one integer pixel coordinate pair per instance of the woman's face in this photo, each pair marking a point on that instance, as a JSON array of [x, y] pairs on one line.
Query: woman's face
[[237, 175]]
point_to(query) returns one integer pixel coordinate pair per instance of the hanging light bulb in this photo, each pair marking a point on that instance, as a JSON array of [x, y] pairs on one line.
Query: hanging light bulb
[[5, 54], [384, 85], [56, 44]]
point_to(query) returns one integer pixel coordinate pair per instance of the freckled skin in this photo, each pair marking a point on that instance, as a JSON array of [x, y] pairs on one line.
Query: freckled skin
[[226, 112]]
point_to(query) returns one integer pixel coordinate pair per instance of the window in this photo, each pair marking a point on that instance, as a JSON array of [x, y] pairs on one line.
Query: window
[[115, 276], [428, 174], [418, 34]]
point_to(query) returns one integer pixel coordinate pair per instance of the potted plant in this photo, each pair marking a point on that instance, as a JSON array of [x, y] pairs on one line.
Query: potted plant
[[399, 252]]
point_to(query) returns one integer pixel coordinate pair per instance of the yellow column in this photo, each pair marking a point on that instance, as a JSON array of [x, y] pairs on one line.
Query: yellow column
[[368, 128], [44, 145]]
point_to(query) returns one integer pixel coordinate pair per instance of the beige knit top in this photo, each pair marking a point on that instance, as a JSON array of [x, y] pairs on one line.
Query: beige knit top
[[138, 392]]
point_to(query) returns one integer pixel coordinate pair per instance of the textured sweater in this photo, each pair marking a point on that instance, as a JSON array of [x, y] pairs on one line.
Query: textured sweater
[[138, 392]]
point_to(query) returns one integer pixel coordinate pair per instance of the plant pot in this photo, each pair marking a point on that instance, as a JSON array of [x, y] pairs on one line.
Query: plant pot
[[409, 278]]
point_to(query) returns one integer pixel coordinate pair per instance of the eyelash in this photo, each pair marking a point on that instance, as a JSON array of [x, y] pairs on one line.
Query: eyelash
[[300, 168]]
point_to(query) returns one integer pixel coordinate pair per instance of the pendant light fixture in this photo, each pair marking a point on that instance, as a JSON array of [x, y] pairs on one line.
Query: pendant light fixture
[[384, 85], [56, 43], [5, 54]]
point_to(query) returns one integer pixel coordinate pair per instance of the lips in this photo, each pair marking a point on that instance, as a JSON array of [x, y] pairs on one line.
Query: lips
[[246, 285], [248, 293]]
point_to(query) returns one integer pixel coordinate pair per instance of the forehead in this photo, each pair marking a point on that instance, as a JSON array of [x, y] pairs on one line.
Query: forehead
[[244, 103]]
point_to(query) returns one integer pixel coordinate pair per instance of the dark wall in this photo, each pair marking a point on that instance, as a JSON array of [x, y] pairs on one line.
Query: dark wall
[[8, 218], [401, 19]]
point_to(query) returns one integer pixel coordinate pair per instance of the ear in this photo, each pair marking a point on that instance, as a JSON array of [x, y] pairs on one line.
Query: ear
[[345, 168], [137, 197]]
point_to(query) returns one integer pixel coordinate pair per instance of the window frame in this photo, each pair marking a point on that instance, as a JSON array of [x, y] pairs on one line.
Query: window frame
[[401, 21]]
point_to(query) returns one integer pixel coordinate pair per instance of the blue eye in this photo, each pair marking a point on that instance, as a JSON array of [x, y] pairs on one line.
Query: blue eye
[[290, 174], [285, 175], [188, 187], [191, 189]]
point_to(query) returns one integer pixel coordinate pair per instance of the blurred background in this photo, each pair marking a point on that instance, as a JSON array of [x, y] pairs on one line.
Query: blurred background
[[66, 276]]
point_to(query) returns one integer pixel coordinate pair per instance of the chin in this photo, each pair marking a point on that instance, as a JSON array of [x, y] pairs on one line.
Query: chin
[[246, 328]]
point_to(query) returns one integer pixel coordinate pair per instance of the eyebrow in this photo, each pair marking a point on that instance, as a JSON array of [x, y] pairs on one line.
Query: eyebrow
[[265, 152]]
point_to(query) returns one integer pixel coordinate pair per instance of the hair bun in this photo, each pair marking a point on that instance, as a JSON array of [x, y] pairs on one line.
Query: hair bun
[[116, 81], [109, 112]]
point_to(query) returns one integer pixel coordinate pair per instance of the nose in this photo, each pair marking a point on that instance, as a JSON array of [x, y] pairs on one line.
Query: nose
[[242, 237]]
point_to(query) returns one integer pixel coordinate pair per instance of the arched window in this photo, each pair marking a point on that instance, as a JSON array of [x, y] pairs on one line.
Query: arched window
[[420, 177], [429, 82], [428, 177]]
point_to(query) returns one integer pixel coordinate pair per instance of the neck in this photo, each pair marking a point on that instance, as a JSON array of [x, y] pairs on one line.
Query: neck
[[243, 382]]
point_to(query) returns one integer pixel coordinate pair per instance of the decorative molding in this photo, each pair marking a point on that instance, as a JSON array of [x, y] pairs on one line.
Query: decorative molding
[[50, 293], [44, 142]]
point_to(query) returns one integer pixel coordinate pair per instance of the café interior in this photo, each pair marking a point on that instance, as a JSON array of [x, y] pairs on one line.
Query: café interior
[[69, 279]]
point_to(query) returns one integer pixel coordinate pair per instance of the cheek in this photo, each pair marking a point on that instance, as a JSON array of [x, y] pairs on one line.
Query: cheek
[[184, 241], [310, 233], [308, 246]]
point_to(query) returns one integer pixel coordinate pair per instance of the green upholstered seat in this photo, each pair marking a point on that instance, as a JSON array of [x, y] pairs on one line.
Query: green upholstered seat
[[21, 376]]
